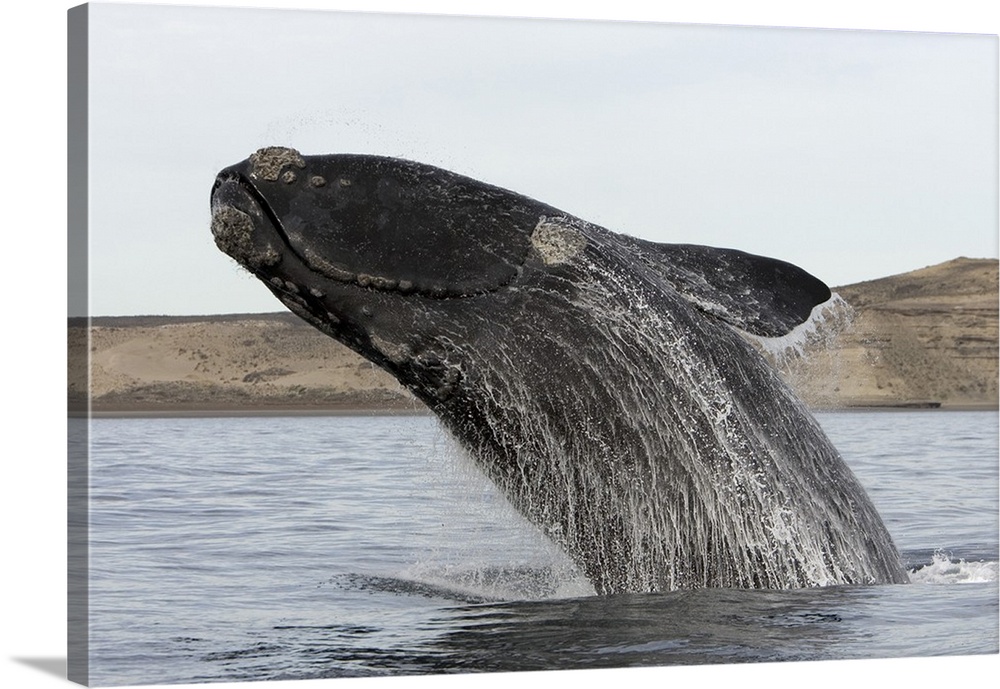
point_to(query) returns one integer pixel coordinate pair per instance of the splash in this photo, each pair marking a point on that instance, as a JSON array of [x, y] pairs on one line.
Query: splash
[[826, 322], [944, 570], [500, 583]]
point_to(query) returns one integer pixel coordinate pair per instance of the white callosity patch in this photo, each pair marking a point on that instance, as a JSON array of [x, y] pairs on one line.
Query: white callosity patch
[[395, 352], [556, 241], [235, 235], [267, 163]]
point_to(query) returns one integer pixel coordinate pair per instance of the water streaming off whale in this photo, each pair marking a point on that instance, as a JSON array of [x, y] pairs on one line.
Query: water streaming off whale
[[669, 478]]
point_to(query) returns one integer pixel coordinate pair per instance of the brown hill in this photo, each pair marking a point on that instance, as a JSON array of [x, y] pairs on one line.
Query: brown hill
[[253, 361], [925, 336]]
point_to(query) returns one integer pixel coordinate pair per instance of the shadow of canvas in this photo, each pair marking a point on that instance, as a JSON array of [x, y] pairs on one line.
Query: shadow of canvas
[[52, 665]]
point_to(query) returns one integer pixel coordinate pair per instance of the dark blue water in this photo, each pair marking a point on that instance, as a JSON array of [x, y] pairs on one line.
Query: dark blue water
[[228, 549]]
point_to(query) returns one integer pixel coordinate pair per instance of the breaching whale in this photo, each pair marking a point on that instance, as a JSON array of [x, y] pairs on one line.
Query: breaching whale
[[599, 379]]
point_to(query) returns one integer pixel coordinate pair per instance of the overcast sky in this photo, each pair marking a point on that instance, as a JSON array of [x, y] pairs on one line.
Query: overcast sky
[[854, 154]]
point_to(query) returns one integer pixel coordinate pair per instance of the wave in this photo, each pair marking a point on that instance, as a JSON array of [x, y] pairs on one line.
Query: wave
[[477, 585], [474, 584], [944, 570]]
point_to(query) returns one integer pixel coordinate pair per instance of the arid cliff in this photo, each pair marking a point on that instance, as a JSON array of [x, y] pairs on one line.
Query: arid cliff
[[924, 337], [927, 337]]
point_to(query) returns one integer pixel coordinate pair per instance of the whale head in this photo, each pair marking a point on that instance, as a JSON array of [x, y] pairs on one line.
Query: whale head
[[376, 252], [374, 222]]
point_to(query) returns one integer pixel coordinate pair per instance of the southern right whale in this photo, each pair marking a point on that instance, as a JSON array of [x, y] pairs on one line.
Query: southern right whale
[[600, 380]]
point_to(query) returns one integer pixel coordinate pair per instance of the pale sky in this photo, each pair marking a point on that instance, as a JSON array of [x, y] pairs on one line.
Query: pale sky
[[854, 154]]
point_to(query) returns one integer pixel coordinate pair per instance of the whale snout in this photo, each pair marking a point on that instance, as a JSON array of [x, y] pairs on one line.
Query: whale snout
[[239, 225]]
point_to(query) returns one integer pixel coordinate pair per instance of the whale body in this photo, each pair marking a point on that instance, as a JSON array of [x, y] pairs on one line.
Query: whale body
[[602, 381]]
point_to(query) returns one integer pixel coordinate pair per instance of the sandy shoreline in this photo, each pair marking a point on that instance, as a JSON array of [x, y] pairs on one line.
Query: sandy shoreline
[[237, 413], [269, 408], [196, 411]]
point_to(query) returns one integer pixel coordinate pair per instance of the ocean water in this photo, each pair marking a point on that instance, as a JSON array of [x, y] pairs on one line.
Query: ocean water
[[283, 547]]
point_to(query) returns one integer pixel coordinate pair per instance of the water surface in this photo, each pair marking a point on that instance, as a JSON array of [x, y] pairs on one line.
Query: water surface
[[227, 549]]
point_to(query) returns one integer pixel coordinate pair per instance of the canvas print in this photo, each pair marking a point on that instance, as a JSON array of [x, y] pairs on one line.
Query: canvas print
[[407, 345]]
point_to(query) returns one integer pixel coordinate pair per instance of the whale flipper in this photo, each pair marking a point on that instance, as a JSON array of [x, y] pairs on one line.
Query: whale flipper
[[759, 295]]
